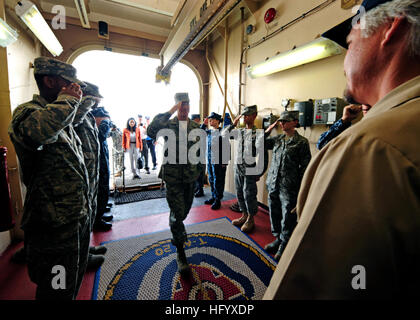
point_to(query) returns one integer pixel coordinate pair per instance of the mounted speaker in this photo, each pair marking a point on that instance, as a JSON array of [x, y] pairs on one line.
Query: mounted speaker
[[103, 30]]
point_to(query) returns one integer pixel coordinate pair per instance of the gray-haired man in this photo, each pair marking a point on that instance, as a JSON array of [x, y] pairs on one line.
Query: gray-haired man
[[357, 235]]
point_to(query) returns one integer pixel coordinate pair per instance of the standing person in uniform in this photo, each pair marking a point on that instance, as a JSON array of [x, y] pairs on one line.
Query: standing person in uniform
[[56, 212], [151, 145], [216, 167], [358, 208], [145, 149], [103, 123], [85, 127], [246, 184], [199, 184], [291, 155], [132, 142], [179, 178], [117, 149]]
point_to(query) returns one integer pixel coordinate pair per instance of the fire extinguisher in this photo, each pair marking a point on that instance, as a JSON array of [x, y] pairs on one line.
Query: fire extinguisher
[[6, 216]]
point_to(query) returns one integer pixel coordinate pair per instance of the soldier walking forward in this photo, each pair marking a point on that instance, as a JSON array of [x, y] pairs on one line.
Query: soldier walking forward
[[179, 177]]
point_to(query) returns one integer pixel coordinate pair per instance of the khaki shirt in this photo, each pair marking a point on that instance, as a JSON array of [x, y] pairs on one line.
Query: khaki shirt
[[359, 210]]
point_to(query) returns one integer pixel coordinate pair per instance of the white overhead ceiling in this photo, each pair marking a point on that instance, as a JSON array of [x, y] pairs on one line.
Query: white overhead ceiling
[[150, 16]]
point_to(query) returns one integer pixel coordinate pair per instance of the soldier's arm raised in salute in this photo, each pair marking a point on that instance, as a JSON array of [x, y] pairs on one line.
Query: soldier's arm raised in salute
[[35, 126], [161, 121]]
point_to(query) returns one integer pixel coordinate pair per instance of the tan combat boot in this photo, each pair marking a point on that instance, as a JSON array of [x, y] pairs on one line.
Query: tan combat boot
[[240, 221], [248, 225]]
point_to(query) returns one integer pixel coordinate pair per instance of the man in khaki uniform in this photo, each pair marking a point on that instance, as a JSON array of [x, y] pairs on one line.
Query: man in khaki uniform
[[358, 235]]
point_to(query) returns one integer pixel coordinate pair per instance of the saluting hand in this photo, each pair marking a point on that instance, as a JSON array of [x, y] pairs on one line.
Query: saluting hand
[[235, 122], [350, 112], [175, 107], [73, 90], [272, 126]]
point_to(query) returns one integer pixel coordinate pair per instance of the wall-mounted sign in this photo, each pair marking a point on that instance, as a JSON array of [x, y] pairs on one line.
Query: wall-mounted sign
[[347, 4]]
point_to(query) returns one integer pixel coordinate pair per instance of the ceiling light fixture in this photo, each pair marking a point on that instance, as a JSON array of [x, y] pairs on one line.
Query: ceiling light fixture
[[83, 13], [31, 16], [8, 35], [316, 50]]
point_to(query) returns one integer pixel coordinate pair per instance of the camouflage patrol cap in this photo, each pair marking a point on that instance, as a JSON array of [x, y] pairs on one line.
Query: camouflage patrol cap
[[52, 67], [181, 96], [91, 90], [289, 116], [249, 110]]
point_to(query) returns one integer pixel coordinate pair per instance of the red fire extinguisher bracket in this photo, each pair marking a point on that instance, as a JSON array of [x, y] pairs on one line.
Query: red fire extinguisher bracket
[[6, 216]]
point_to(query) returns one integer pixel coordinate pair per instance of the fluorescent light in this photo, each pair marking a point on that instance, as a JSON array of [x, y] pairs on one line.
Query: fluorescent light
[[7, 34], [30, 14], [316, 50], [81, 10]]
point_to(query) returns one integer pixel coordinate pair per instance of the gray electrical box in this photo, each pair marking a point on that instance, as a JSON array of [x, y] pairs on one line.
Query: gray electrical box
[[328, 111]]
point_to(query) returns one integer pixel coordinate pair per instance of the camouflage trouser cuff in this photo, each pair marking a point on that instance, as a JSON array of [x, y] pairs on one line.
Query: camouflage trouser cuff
[[178, 242]]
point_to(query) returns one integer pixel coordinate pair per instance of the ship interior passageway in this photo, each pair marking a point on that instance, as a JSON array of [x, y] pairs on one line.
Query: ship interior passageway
[[236, 150]]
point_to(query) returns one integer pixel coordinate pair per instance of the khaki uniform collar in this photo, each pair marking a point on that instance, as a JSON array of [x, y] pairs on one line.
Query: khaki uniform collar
[[401, 94]]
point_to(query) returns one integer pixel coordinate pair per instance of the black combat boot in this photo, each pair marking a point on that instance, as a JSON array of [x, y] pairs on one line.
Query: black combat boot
[[97, 250], [181, 260], [273, 246], [216, 205], [209, 201], [280, 251], [95, 261]]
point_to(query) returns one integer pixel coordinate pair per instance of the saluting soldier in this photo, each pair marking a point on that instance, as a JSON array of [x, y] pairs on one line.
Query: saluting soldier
[[56, 212], [103, 123], [246, 184], [117, 149], [85, 127], [179, 178], [291, 156], [199, 184], [216, 166]]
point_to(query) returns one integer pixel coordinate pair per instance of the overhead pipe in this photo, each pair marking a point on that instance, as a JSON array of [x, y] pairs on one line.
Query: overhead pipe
[[215, 13], [241, 64], [226, 63], [215, 75]]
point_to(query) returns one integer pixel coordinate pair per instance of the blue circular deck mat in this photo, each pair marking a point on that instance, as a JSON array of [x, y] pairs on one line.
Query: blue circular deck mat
[[225, 265]]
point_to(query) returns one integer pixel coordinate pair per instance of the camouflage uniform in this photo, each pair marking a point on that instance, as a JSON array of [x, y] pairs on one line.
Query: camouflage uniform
[[117, 149], [179, 178], [199, 184], [289, 161], [246, 184], [56, 210], [85, 127]]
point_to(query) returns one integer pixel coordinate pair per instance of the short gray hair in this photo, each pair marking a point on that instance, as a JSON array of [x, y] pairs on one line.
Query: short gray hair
[[392, 9]]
